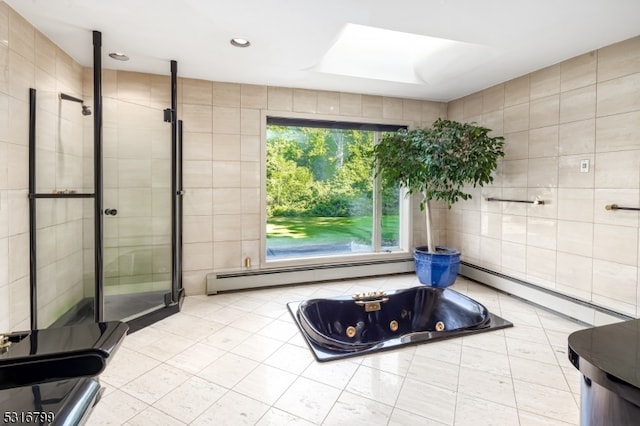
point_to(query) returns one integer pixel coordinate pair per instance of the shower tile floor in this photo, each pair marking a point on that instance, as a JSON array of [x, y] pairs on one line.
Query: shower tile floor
[[238, 359]]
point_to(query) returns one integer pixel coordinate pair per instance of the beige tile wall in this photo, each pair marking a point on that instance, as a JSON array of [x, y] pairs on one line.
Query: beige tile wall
[[59, 158], [29, 59], [223, 168], [586, 108]]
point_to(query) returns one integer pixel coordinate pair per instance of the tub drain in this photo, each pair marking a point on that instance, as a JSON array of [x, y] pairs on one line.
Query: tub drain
[[439, 326], [351, 331]]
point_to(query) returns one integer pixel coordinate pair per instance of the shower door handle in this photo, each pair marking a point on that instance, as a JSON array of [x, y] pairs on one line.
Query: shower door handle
[[111, 212]]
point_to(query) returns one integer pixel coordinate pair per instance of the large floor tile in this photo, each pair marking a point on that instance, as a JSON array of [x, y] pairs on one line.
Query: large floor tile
[[472, 411], [251, 322], [483, 360], [257, 347], [153, 416], [227, 338], [536, 351], [265, 384], [493, 341], [355, 410], [195, 358], [403, 418], [116, 408], [126, 366], [279, 330], [275, 417], [190, 399], [375, 384], [308, 399], [233, 409], [553, 403], [393, 361], [291, 358], [156, 383], [189, 327], [238, 358], [433, 371], [539, 373], [432, 402], [228, 370], [489, 386], [335, 373]]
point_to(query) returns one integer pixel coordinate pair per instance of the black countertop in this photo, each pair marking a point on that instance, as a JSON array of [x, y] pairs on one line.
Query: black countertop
[[48, 376], [61, 403], [610, 356], [52, 354]]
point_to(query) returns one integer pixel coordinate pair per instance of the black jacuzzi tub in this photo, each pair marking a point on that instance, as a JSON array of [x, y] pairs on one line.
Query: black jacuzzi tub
[[344, 326]]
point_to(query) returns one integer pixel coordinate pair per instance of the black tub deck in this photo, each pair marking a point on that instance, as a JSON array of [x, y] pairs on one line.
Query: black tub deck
[[347, 326]]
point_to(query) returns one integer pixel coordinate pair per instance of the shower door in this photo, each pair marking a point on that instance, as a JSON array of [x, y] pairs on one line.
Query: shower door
[[105, 227], [137, 178]]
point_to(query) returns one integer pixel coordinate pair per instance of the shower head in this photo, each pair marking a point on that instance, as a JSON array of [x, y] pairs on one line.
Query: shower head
[[86, 110], [66, 97]]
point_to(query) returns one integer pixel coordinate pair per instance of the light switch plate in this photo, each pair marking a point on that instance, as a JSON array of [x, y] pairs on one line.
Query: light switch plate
[[584, 166]]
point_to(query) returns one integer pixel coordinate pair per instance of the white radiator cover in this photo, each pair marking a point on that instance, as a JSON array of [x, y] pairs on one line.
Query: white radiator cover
[[565, 305], [240, 280]]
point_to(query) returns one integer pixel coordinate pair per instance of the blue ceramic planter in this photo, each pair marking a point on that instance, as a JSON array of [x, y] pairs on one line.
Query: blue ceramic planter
[[438, 269]]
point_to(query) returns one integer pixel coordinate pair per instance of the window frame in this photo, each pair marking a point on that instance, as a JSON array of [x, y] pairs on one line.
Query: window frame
[[405, 207]]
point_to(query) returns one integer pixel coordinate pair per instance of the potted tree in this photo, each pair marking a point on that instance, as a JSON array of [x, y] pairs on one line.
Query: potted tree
[[438, 162]]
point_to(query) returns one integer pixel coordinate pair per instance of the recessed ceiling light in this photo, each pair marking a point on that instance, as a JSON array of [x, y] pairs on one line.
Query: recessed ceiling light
[[118, 56], [240, 42]]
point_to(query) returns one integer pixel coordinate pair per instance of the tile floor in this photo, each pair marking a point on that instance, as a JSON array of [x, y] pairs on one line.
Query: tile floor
[[238, 359]]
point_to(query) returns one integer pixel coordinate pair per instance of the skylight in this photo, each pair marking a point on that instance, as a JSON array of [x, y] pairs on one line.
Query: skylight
[[377, 53]]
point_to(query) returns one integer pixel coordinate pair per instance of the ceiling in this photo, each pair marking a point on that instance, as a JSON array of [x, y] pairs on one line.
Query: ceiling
[[377, 47]]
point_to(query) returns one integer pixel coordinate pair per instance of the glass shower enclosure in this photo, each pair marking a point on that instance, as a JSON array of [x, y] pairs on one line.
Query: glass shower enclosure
[[105, 201], [137, 208]]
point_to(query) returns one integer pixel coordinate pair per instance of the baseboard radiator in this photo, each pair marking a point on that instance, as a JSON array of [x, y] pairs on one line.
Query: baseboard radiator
[[568, 306], [226, 281]]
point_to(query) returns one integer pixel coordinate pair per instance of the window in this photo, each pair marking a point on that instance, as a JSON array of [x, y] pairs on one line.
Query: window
[[322, 194]]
